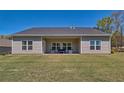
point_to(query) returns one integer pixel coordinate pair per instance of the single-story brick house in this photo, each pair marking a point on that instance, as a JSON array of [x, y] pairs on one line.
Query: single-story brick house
[[66, 40]]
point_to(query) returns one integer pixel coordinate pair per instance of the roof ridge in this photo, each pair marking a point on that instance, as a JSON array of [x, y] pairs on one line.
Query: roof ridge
[[60, 28]]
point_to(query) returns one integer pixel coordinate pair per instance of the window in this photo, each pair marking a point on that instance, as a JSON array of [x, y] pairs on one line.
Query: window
[[58, 46], [27, 45], [64, 46], [95, 45], [98, 45], [69, 46], [53, 46], [30, 45], [24, 45], [92, 45]]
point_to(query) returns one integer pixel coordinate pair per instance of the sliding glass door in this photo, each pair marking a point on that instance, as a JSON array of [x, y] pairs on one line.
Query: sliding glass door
[[64, 47]]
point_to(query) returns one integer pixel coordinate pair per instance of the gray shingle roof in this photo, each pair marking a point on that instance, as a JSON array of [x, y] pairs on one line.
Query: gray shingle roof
[[60, 31]]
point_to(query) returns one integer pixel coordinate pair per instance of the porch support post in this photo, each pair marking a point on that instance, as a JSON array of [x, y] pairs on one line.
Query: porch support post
[[12, 45], [81, 45], [41, 45], [110, 47]]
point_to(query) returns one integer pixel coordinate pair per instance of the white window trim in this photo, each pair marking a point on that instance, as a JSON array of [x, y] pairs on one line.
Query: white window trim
[[27, 45], [96, 45], [23, 45]]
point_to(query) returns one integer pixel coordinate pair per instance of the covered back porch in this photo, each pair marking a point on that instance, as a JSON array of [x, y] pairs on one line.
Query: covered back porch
[[61, 45]]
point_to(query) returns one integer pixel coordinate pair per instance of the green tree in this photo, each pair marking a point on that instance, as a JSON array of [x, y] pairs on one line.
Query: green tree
[[105, 24]]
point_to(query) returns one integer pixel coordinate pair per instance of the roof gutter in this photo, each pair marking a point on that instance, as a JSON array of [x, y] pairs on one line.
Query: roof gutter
[[61, 35]]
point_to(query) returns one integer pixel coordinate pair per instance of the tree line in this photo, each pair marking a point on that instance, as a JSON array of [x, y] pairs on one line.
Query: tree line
[[113, 24], [5, 37]]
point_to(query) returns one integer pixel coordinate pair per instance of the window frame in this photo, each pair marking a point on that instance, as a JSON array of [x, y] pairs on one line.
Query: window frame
[[55, 46], [98, 45], [69, 46], [95, 45], [24, 45], [27, 45], [61, 45], [92, 45]]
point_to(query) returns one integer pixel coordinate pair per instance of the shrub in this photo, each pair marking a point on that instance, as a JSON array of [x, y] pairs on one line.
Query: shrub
[[112, 51]]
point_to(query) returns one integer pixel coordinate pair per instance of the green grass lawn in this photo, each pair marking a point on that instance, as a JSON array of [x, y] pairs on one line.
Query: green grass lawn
[[62, 67]]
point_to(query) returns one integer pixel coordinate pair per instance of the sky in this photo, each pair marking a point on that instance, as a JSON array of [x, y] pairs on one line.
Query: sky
[[12, 21]]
